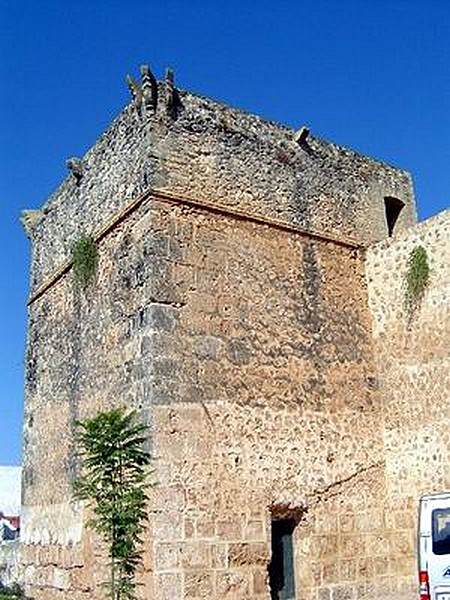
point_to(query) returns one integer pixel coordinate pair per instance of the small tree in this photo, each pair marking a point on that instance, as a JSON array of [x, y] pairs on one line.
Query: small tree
[[113, 481]]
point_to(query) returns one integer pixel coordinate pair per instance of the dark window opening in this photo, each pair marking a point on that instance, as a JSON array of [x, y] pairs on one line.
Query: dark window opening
[[441, 531], [281, 567], [393, 208]]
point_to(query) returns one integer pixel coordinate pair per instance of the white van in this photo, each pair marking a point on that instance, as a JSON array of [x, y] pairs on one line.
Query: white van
[[434, 547]]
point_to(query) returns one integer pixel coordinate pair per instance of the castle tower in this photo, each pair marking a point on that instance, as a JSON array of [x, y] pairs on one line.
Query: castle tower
[[230, 308]]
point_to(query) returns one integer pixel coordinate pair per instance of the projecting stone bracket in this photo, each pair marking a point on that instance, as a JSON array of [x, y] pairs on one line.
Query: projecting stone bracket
[[135, 91], [149, 88], [29, 220], [301, 136], [75, 166]]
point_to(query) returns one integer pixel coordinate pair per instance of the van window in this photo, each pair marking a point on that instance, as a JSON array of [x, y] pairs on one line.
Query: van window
[[441, 530]]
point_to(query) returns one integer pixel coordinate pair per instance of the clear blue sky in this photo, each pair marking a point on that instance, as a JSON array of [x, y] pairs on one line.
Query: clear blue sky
[[371, 75]]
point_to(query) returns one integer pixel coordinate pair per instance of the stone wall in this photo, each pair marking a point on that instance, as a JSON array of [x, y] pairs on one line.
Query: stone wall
[[246, 348], [413, 363], [210, 152], [230, 309], [10, 564]]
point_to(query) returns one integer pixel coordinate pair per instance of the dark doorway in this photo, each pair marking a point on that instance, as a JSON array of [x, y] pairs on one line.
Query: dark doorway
[[393, 207], [281, 567]]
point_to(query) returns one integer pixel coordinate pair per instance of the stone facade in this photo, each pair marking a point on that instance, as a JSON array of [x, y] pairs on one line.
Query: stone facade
[[240, 305], [413, 362]]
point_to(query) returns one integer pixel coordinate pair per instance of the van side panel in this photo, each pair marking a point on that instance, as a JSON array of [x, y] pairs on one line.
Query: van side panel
[[434, 525]]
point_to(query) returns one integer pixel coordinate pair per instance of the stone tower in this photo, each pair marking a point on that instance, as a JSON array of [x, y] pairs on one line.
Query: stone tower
[[242, 306]]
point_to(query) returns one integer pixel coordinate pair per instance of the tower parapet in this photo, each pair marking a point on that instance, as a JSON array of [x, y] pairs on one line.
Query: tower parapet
[[174, 141]]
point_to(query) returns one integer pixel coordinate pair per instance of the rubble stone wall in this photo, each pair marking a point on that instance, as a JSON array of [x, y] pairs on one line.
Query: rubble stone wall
[[412, 359]]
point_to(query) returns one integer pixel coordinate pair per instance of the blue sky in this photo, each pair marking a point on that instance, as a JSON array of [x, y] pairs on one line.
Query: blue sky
[[371, 75]]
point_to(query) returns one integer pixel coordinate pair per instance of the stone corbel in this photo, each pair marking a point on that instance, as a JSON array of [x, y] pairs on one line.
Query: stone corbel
[[75, 166], [301, 135], [29, 220], [145, 94]]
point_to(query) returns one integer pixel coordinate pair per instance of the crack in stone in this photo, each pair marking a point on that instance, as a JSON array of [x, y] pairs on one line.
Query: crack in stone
[[318, 494]]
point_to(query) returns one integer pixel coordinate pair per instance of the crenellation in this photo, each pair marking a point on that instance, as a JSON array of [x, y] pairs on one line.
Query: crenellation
[[149, 89]]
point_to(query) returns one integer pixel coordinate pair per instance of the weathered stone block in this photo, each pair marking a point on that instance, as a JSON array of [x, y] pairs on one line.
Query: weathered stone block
[[165, 368], [330, 573], [160, 391], [208, 347], [260, 582], [233, 584], [196, 554], [189, 529], [238, 352], [254, 530], [205, 528], [168, 556], [168, 586], [219, 556], [229, 530], [198, 584], [161, 317], [248, 554], [343, 593], [61, 579]]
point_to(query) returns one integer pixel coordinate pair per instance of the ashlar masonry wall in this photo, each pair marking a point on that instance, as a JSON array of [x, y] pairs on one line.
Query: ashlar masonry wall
[[413, 363]]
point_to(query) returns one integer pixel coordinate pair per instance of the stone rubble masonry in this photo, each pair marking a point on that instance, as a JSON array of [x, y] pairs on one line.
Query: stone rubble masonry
[[413, 362], [228, 314]]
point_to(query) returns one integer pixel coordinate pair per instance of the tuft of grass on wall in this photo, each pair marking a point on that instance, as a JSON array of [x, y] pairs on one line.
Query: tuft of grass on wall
[[13, 592], [416, 279], [84, 261]]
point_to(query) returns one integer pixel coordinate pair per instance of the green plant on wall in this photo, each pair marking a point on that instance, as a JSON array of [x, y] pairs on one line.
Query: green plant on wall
[[416, 279], [84, 261], [113, 480], [13, 592]]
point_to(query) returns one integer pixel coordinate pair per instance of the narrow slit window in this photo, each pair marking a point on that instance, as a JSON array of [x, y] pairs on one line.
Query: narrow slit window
[[281, 568], [393, 207]]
